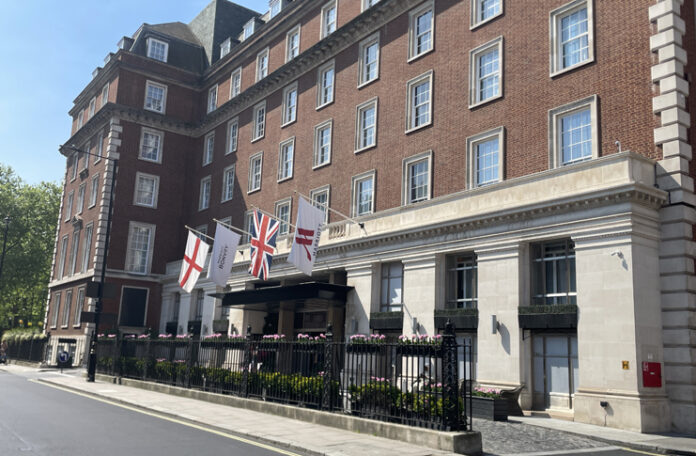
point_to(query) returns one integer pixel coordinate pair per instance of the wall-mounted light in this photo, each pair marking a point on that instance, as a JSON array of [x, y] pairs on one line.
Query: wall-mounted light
[[494, 324]]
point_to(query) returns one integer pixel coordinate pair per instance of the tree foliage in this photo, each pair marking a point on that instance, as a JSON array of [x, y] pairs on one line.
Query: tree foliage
[[33, 214]]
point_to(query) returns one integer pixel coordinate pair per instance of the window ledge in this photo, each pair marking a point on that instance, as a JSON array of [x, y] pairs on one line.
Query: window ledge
[[153, 110], [320, 107], [486, 21], [416, 57], [357, 151], [419, 127], [367, 83], [285, 179], [249, 192], [321, 165], [253, 140], [554, 74], [486, 101], [286, 124]]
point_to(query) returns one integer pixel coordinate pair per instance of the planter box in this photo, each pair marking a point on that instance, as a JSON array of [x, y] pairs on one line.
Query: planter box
[[387, 320], [460, 318], [489, 409], [548, 317]]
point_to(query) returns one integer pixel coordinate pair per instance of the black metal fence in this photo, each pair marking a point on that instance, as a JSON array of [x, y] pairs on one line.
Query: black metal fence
[[26, 349], [420, 384]]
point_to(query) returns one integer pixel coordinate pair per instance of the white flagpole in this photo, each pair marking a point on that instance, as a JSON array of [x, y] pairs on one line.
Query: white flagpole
[[199, 233], [326, 205], [272, 216], [231, 227]]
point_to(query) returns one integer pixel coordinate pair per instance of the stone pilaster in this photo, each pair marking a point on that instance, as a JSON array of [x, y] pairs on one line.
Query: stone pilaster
[[677, 249], [359, 300], [420, 290]]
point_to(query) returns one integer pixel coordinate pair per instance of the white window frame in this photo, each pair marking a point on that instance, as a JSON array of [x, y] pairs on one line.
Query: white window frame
[[272, 4], [151, 243], [232, 139], [234, 88], [65, 318], [262, 71], [476, 13], [252, 186], [227, 184], [104, 95], [86, 147], [386, 279], [292, 52], [75, 163], [100, 148], [321, 88], [282, 231], [79, 305], [318, 191], [355, 203], [248, 223], [291, 116], [359, 146], [93, 191], [472, 143], [203, 230], [56, 309], [155, 190], [212, 98], [410, 105], [150, 42], [225, 47], [204, 193], [282, 158], [151, 132], [412, 37], [259, 130], [317, 144], [63, 256], [362, 52], [326, 28], [69, 205], [74, 250], [366, 4], [81, 197], [406, 174], [555, 53], [208, 148], [80, 119], [249, 28], [474, 54], [87, 246], [153, 84], [92, 107], [555, 116]]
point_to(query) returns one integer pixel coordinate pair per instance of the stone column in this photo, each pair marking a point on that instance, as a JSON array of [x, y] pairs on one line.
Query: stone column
[[184, 311], [359, 300], [208, 312], [500, 285], [677, 249], [420, 290], [619, 320]]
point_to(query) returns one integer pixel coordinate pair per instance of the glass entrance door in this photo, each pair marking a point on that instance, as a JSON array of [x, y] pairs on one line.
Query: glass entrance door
[[555, 371]]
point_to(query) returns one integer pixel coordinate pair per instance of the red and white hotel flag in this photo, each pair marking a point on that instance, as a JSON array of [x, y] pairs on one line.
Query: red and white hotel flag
[[194, 261], [224, 249], [307, 234]]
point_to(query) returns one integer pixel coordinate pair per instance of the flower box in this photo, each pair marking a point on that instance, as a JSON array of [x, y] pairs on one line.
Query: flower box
[[487, 408]]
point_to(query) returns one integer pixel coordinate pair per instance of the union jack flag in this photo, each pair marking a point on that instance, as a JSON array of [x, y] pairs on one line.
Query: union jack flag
[[263, 241]]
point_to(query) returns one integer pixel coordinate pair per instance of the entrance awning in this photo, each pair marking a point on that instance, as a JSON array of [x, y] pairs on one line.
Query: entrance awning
[[305, 295]]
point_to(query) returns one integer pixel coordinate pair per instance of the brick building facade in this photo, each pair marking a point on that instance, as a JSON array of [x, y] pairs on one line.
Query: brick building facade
[[523, 168]]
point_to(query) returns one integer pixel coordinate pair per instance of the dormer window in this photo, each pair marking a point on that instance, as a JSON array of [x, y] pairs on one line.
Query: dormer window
[[225, 47], [157, 49], [249, 29], [275, 7]]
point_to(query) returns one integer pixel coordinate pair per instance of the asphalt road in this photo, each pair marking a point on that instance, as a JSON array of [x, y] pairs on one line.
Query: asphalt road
[[36, 419]]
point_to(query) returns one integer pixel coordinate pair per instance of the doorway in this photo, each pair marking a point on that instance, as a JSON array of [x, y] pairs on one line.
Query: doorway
[[555, 371]]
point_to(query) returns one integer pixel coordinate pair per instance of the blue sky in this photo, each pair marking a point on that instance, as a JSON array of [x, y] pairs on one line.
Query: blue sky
[[47, 56]]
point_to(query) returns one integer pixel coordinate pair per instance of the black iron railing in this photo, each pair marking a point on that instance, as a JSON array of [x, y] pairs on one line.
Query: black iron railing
[[417, 384]]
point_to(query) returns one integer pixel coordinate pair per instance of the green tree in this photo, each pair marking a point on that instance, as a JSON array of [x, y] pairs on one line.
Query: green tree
[[33, 212]]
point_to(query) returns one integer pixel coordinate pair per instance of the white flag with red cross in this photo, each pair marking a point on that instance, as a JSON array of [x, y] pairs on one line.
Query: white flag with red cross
[[194, 262], [307, 234]]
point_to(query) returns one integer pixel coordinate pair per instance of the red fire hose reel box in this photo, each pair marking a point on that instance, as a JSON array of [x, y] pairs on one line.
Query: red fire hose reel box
[[652, 375]]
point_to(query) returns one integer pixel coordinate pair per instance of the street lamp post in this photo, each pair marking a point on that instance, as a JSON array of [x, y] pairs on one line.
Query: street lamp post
[[92, 359], [4, 243]]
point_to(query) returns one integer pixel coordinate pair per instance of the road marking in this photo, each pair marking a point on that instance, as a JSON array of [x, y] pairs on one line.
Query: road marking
[[566, 451], [173, 420], [641, 452]]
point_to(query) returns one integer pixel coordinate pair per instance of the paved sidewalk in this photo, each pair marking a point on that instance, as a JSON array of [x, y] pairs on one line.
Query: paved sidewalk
[[519, 435]]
